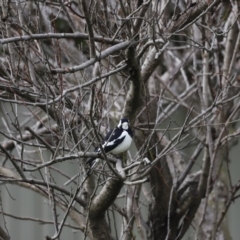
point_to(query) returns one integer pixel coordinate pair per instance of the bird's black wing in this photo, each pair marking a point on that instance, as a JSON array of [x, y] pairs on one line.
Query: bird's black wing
[[110, 133], [113, 139]]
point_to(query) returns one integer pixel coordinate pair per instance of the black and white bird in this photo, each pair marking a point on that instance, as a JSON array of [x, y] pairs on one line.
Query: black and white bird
[[117, 140]]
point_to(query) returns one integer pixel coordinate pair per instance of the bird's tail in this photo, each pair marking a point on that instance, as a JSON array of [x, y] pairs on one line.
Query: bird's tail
[[90, 161]]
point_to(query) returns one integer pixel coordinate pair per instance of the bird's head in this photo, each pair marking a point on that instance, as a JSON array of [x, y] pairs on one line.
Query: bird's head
[[123, 124]]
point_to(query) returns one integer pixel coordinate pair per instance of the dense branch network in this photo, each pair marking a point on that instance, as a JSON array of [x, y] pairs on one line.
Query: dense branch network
[[68, 74]]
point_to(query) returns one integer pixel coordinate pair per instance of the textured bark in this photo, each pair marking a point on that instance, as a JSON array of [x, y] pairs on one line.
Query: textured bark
[[105, 198], [147, 61], [161, 209], [99, 228], [101, 202], [134, 98]]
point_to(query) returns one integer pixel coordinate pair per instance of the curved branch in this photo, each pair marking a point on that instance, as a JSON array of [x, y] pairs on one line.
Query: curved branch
[[31, 184], [28, 184], [76, 35], [106, 197], [134, 99], [109, 51], [32, 101], [194, 12], [186, 19]]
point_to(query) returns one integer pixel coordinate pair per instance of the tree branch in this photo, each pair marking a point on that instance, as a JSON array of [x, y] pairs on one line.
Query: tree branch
[[105, 198], [76, 35], [107, 52]]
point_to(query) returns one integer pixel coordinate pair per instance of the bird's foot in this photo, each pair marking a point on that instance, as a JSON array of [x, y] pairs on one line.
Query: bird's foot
[[146, 161], [93, 166]]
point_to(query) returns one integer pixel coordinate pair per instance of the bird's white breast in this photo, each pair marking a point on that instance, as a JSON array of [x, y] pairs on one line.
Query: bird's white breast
[[124, 145]]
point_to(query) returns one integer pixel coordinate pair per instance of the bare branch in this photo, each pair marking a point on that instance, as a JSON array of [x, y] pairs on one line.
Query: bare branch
[[75, 35]]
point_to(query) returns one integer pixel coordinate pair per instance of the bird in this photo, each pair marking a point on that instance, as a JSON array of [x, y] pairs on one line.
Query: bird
[[116, 141]]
